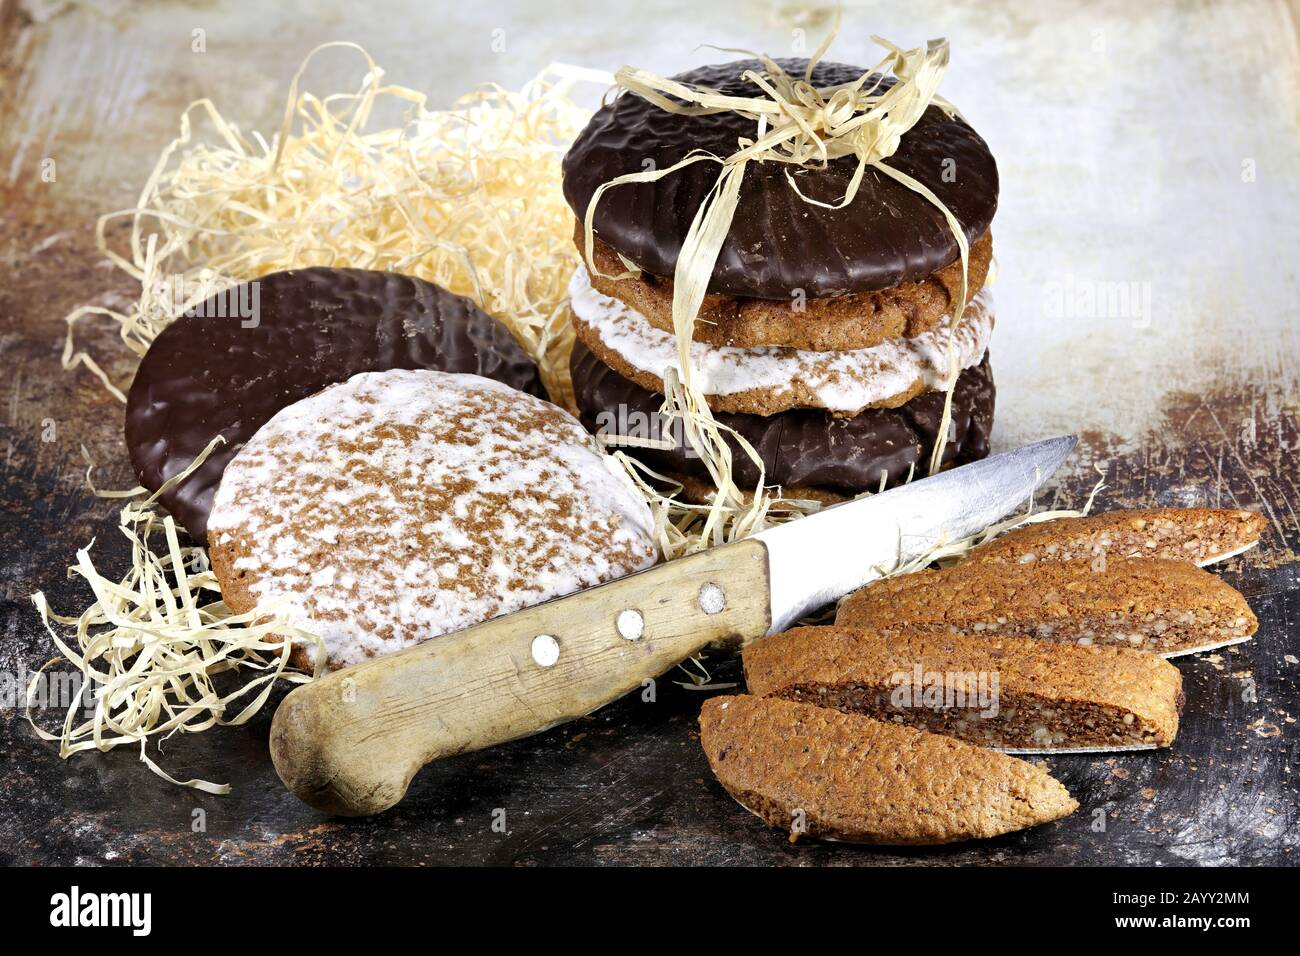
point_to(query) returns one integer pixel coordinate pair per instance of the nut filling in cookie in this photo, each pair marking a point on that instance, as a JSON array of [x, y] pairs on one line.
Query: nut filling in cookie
[[1007, 693], [403, 505]]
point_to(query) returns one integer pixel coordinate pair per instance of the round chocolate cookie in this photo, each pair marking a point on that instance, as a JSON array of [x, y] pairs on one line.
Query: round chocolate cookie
[[800, 448], [836, 323], [248, 352], [778, 243]]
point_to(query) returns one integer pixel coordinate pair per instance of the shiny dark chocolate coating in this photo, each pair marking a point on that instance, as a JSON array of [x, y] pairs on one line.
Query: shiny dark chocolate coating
[[778, 243], [208, 376], [803, 447]]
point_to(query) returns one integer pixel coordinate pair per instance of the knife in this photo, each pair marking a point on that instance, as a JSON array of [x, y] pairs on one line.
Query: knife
[[350, 742]]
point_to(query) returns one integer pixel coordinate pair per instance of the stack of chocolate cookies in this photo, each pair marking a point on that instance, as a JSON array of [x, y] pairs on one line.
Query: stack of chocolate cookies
[[825, 337]]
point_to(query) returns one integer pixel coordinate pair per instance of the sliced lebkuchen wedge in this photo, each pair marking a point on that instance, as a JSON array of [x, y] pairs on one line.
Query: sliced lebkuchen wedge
[[1199, 535], [1153, 604], [1009, 693], [821, 773]]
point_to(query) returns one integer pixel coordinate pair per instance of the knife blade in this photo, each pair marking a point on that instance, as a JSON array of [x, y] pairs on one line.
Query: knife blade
[[350, 742], [821, 558]]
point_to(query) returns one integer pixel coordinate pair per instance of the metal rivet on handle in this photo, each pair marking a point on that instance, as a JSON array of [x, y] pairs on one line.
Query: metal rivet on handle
[[712, 598], [546, 650], [631, 625]]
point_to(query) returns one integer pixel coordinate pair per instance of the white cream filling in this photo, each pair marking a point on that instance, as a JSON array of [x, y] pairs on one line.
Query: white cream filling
[[845, 381]]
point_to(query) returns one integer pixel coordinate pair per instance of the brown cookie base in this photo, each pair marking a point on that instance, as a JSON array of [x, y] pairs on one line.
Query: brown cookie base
[[830, 775], [800, 449], [837, 323], [237, 595], [751, 401], [342, 505], [1151, 604], [1047, 696]]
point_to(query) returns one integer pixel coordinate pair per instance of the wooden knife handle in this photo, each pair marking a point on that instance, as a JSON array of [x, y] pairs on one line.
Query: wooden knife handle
[[350, 742]]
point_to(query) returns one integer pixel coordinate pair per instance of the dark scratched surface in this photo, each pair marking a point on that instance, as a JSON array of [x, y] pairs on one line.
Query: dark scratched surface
[[630, 784]]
